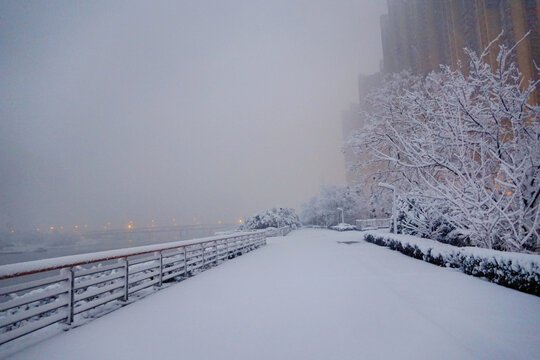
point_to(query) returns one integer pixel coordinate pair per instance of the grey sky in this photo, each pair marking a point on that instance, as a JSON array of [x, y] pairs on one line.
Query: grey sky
[[118, 111]]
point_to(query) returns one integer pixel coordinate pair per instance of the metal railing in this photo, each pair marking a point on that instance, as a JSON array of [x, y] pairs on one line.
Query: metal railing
[[281, 231], [79, 283], [370, 224]]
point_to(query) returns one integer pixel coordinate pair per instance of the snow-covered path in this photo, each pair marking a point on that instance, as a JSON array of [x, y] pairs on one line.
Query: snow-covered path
[[306, 296]]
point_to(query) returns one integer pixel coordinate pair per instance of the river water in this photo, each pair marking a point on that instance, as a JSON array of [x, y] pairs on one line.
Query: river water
[[81, 245]]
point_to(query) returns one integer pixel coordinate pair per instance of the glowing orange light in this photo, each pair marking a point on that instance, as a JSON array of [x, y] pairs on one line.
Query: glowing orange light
[[220, 222], [51, 228], [76, 227], [240, 221], [130, 226], [508, 192], [38, 229], [104, 228], [12, 231]]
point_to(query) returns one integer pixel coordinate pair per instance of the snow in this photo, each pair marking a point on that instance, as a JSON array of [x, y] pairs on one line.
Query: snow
[[306, 296]]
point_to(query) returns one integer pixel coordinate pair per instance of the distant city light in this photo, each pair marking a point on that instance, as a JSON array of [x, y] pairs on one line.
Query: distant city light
[[76, 227], [240, 221], [51, 228], [130, 226], [220, 222], [12, 231]]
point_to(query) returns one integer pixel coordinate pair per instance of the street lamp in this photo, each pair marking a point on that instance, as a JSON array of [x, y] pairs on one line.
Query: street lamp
[[394, 210], [342, 220]]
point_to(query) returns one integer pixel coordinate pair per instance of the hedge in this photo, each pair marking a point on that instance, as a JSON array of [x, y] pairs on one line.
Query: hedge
[[514, 270]]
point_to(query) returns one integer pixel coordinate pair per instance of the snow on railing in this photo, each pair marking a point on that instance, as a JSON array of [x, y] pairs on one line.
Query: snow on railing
[[76, 284], [371, 224], [281, 231]]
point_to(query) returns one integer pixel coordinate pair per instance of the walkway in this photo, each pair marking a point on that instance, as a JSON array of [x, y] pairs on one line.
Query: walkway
[[306, 296]]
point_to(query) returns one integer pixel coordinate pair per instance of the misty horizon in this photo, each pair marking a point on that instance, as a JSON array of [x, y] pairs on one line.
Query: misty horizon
[[202, 112]]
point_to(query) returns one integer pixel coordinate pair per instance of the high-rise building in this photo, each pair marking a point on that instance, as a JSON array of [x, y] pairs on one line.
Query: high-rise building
[[419, 35]]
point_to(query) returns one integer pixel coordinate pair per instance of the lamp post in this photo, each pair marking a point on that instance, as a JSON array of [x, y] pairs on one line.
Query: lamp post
[[342, 220], [394, 210]]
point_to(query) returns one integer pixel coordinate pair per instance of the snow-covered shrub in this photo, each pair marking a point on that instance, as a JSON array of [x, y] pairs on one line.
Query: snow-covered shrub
[[276, 218], [323, 210], [343, 227], [469, 140], [513, 270], [416, 216]]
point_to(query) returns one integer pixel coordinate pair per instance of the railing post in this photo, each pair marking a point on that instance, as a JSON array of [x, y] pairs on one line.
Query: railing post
[[126, 278], [185, 261], [160, 268], [71, 293], [203, 257]]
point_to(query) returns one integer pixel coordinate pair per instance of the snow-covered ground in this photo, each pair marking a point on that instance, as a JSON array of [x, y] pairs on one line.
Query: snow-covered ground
[[313, 295]]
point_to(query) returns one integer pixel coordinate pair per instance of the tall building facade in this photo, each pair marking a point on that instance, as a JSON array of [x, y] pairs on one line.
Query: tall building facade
[[418, 35]]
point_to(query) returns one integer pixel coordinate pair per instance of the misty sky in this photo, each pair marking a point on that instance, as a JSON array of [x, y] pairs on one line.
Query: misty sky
[[117, 111]]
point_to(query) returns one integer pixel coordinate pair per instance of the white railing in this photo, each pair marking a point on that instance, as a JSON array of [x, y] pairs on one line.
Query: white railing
[[371, 224], [75, 284], [281, 231]]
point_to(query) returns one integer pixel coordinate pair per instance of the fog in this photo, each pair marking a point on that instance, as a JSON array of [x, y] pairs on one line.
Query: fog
[[194, 110]]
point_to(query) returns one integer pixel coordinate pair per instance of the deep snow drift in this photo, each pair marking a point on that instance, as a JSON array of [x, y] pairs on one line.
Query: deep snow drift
[[314, 295]]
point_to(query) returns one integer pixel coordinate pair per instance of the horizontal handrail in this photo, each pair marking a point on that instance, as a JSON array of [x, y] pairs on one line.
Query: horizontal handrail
[[363, 224], [37, 266]]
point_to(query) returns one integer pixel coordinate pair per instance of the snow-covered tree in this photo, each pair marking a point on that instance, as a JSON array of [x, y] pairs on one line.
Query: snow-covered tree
[[469, 142], [275, 217], [323, 210]]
